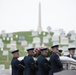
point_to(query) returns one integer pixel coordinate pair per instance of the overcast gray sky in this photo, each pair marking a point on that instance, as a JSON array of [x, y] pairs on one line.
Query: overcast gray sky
[[22, 15]]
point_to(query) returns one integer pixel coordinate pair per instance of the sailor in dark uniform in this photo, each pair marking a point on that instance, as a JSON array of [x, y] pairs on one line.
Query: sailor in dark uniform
[[71, 52], [17, 68], [29, 62], [55, 62], [42, 63]]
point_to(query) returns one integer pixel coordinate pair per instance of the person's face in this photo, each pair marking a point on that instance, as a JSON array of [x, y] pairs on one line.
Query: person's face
[[45, 52], [56, 49], [31, 52], [16, 54], [72, 52]]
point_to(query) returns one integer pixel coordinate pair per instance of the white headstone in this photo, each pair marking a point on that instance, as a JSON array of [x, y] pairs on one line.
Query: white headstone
[[0, 40], [73, 37], [37, 45], [55, 38], [3, 33], [1, 44], [59, 32], [21, 38], [10, 35], [8, 45], [5, 53], [48, 36], [64, 41], [65, 48], [36, 40], [13, 42], [34, 33], [24, 43], [55, 43], [62, 36], [45, 40], [71, 45], [13, 45], [2, 67]]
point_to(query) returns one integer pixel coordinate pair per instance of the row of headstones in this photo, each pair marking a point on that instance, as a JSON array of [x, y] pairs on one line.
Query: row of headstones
[[13, 47], [37, 41], [55, 37]]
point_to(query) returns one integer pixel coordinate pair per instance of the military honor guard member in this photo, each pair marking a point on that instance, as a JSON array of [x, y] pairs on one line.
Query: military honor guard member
[[17, 67], [55, 62], [29, 62], [71, 52], [42, 63]]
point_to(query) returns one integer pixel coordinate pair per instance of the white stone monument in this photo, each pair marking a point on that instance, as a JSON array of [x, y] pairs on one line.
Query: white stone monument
[[73, 37], [64, 41], [36, 40], [24, 43], [3, 33], [1, 46], [34, 33], [55, 38], [10, 35], [13, 45], [8, 45], [21, 38], [6, 53], [45, 40], [2, 67], [37, 45]]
